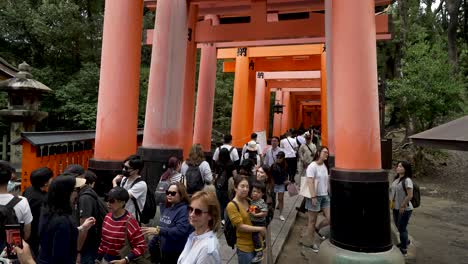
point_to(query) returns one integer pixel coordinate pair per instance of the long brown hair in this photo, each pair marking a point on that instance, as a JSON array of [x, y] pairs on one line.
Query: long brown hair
[[196, 155], [211, 201]]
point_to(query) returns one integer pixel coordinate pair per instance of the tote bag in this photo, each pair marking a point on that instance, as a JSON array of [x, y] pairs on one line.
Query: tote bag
[[304, 190]]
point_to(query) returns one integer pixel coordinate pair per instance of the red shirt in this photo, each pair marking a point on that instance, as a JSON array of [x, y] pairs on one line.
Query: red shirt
[[113, 236]]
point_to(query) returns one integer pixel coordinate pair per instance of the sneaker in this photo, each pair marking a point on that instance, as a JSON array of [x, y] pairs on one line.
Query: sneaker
[[258, 258], [322, 237], [315, 248], [282, 218], [404, 252]]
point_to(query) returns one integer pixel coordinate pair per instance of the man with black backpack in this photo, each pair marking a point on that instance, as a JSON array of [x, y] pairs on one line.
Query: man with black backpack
[[252, 148], [90, 205], [227, 145], [13, 209], [131, 181]]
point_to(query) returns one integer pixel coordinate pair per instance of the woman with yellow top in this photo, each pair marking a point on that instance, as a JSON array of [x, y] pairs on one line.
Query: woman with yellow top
[[240, 218]]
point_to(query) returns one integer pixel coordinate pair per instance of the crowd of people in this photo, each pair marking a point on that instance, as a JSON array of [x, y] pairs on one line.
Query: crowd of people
[[64, 220]]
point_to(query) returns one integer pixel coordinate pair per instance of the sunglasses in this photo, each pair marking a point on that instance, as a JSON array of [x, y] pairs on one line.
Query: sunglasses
[[197, 211], [127, 168], [171, 193], [111, 201]]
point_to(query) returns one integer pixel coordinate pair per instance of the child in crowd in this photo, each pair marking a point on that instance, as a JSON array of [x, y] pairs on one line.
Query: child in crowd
[[258, 212]]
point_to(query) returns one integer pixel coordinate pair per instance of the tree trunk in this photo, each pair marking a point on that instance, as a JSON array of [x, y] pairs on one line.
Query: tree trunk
[[453, 8]]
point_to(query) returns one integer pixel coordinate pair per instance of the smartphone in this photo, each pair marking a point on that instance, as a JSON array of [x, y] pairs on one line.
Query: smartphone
[[14, 237]]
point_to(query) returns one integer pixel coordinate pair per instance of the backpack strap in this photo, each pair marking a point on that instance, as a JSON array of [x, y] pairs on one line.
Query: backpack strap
[[231, 149], [13, 202], [287, 139], [237, 206], [135, 203], [309, 149]]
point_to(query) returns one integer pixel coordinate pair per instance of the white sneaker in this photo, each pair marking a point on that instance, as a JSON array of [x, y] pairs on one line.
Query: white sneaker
[[282, 218]]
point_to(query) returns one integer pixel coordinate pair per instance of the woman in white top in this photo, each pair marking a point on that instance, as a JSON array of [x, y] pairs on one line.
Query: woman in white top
[[317, 179], [401, 193], [202, 246]]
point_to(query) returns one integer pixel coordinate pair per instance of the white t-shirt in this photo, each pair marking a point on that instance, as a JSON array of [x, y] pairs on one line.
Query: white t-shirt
[[398, 194], [138, 191], [289, 146], [320, 175], [205, 171], [234, 154], [22, 210]]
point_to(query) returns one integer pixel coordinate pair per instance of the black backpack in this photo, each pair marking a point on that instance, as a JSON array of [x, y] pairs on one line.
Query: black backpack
[[222, 178], [101, 212], [149, 209], [8, 216], [230, 229], [416, 200], [252, 155], [194, 179]]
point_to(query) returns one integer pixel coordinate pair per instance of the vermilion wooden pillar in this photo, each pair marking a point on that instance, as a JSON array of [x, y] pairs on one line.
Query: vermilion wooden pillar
[[206, 93], [240, 114], [323, 99], [260, 116], [118, 89], [277, 117], [329, 69], [163, 121], [286, 115], [188, 103], [360, 216]]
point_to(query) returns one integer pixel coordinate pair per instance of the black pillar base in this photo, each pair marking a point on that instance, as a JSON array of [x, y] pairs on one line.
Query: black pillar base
[[155, 159], [105, 170], [331, 161], [360, 214]]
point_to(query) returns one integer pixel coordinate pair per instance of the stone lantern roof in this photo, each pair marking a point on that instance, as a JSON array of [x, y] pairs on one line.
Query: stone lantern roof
[[23, 82]]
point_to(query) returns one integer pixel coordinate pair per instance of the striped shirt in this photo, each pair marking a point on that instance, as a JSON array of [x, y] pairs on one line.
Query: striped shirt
[[176, 177], [113, 236]]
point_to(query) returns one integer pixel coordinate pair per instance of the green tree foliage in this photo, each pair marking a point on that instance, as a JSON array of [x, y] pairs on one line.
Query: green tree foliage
[[223, 100], [423, 84], [428, 91]]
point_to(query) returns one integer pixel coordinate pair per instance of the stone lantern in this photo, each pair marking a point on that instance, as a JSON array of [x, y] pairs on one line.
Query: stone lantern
[[23, 106]]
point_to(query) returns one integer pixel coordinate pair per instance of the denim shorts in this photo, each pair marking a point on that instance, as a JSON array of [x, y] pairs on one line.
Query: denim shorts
[[322, 202], [280, 188]]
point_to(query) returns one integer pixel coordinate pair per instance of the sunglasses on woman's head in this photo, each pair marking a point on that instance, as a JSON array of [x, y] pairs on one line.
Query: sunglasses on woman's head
[[171, 193], [197, 211]]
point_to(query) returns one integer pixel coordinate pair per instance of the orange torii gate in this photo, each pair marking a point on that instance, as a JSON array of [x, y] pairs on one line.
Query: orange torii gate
[[262, 59], [360, 213]]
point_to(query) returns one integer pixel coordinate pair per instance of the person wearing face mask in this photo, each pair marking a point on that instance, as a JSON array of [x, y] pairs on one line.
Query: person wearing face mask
[[129, 180]]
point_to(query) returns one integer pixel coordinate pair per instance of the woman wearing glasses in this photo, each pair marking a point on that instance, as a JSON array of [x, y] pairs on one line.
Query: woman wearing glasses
[[118, 227], [174, 227], [202, 246]]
